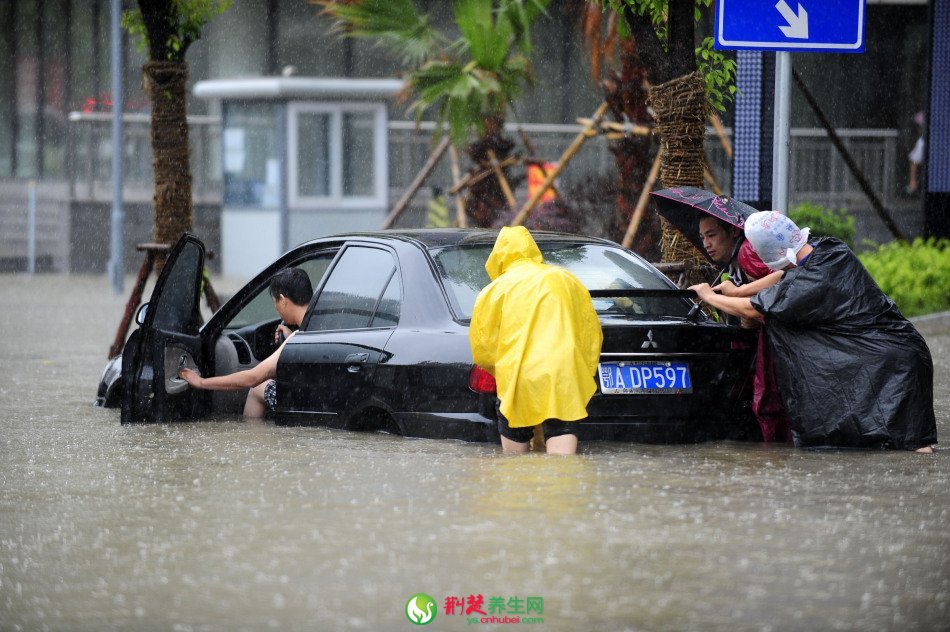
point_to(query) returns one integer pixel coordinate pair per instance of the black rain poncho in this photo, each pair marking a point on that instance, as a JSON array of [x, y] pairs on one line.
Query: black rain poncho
[[851, 369]]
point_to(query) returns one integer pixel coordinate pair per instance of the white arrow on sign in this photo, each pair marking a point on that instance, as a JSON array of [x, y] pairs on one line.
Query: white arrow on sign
[[797, 24]]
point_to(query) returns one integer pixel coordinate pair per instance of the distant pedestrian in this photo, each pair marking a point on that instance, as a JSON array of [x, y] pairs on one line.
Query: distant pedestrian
[[916, 157], [852, 371], [535, 330]]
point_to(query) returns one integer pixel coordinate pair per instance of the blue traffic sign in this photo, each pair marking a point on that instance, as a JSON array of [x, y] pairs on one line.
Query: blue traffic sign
[[828, 26]]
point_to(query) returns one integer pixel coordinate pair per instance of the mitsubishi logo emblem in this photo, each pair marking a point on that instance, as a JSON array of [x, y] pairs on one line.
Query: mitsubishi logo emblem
[[649, 343]]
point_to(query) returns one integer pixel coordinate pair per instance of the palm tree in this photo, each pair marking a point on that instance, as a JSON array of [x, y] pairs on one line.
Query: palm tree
[[467, 81], [165, 29], [684, 80], [625, 90]]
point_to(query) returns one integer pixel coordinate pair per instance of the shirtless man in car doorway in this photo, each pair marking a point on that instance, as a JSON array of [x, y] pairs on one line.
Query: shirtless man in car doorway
[[291, 291]]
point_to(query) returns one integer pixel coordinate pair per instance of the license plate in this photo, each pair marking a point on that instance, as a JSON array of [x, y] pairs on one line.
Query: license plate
[[663, 378]]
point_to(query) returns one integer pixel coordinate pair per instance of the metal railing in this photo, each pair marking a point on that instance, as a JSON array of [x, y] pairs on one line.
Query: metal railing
[[90, 178], [817, 173]]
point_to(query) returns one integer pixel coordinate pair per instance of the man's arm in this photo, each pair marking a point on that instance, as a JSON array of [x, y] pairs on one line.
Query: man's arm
[[726, 288], [248, 378], [735, 305]]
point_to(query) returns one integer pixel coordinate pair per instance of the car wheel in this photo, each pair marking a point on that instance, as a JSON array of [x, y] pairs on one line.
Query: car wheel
[[375, 420]]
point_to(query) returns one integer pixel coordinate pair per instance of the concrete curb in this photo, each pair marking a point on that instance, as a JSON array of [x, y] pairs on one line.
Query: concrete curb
[[938, 323]]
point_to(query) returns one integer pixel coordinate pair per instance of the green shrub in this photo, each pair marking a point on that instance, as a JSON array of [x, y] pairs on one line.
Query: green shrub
[[916, 276], [824, 222]]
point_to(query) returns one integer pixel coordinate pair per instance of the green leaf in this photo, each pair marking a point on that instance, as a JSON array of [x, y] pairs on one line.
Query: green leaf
[[463, 81], [395, 24]]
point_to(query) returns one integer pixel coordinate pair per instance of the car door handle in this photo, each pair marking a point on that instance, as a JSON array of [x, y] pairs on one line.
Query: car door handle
[[354, 360]]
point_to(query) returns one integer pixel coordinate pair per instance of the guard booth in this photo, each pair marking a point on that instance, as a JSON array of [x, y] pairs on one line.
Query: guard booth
[[301, 158]]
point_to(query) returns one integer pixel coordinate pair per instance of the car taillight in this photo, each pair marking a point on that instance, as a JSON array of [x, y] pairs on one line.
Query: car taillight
[[481, 381]]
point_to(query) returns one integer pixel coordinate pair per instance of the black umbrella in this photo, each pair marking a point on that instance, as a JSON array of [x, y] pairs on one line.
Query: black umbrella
[[683, 207]]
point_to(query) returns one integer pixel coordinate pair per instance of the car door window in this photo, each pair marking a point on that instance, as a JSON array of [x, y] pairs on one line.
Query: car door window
[[175, 307], [261, 307], [387, 312], [353, 290]]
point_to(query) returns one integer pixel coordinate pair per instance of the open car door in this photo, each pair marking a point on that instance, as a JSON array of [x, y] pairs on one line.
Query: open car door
[[166, 340]]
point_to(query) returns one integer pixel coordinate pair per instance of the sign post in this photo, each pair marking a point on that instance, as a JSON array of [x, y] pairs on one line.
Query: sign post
[[781, 132], [827, 26], [116, 254]]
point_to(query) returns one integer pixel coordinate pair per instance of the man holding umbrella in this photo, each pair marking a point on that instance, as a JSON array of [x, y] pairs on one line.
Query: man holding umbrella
[[720, 239], [715, 226]]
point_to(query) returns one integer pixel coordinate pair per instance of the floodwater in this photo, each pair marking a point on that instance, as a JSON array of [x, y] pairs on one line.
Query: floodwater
[[232, 525]]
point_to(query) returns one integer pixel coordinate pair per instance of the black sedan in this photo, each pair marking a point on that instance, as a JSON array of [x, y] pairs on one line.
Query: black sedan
[[384, 344]]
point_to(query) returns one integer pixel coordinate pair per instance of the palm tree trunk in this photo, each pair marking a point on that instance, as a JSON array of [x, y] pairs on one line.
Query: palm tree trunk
[[680, 109], [486, 201], [165, 83], [678, 97]]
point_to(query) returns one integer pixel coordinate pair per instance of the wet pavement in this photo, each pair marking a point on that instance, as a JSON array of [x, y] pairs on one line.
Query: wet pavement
[[233, 525]]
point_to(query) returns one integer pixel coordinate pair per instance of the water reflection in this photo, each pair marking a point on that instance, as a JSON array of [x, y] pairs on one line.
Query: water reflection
[[232, 525]]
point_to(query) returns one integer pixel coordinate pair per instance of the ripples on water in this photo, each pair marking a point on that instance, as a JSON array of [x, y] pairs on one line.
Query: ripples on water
[[235, 525]]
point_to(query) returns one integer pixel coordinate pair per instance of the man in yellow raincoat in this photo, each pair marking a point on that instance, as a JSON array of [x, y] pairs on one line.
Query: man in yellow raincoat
[[535, 330]]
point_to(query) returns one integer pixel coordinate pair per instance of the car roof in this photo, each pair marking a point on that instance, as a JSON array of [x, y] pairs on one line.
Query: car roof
[[442, 237]]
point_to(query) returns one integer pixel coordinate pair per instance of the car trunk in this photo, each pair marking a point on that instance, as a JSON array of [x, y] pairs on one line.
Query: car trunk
[[720, 364]]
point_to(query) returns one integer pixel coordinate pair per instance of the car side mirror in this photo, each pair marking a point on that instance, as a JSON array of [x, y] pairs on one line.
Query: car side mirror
[[140, 314]]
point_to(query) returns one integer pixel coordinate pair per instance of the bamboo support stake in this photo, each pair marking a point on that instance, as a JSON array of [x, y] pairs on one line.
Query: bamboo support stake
[[721, 133], [527, 141], [566, 157], [711, 179], [502, 180], [460, 217], [420, 178], [622, 130], [474, 178], [615, 135], [642, 201]]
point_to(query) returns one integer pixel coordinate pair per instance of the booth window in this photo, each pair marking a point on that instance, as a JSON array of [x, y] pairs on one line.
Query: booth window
[[337, 152], [252, 154]]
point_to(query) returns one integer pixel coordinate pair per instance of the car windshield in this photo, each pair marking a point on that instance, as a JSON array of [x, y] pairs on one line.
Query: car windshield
[[598, 268]]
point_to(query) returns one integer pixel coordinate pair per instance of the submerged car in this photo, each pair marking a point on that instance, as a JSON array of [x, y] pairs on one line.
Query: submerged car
[[384, 344]]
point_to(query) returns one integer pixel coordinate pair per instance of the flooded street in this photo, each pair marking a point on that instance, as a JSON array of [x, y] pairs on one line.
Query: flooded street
[[233, 525]]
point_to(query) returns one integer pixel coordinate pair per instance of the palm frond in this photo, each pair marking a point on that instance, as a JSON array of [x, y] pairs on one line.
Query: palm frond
[[521, 14], [488, 35], [463, 96], [463, 82], [395, 24]]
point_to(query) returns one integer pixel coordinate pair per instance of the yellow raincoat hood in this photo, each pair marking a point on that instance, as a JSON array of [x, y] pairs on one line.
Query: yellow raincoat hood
[[514, 243], [535, 329]]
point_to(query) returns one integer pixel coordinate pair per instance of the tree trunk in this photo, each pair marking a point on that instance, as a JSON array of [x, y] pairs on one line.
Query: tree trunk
[[678, 97], [681, 110], [486, 200], [165, 83]]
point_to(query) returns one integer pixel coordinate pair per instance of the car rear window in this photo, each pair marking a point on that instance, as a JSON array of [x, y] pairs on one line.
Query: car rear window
[[598, 267]]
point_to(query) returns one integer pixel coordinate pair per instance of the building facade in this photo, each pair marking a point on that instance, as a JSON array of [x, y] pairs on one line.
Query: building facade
[[55, 113]]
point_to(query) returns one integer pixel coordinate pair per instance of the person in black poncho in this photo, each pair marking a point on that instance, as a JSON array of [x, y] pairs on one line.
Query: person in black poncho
[[852, 371]]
